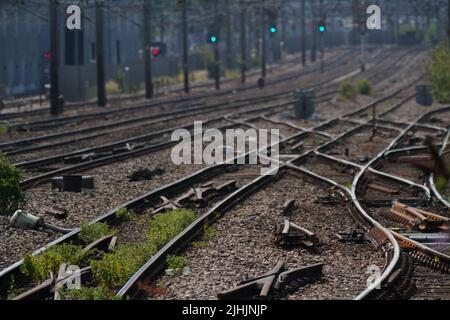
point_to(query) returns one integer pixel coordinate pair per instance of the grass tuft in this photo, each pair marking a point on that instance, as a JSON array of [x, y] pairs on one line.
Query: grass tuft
[[91, 232]]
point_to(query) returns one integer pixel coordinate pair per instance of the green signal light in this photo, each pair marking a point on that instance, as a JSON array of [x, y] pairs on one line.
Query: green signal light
[[322, 28], [273, 30], [213, 39]]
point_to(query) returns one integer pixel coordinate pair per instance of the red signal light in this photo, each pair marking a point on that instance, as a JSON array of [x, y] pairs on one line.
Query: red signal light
[[156, 52]]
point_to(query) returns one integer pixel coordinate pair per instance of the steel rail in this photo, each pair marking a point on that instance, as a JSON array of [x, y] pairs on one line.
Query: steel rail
[[37, 139], [30, 182], [431, 181], [357, 179], [5, 116], [138, 120], [308, 71], [157, 262], [102, 218]]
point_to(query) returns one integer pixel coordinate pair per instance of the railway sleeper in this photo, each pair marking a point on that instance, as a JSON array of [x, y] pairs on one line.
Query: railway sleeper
[[407, 194], [62, 183]]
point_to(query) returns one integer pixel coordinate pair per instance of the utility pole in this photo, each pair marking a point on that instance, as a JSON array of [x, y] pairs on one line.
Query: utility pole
[[243, 41], [254, 23], [303, 32], [101, 92], [264, 43], [229, 43], [54, 81], [448, 14], [321, 44], [185, 44], [148, 50], [216, 47], [355, 16], [314, 31], [361, 12]]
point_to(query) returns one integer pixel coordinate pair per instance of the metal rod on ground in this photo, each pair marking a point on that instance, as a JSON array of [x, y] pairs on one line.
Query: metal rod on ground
[[57, 228], [185, 44], [148, 50], [101, 91], [54, 82], [303, 31], [243, 41]]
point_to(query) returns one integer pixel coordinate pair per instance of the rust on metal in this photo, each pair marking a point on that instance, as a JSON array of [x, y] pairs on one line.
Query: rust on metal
[[378, 236], [41, 292], [56, 212], [196, 197], [418, 219], [354, 237], [414, 159], [291, 234], [277, 282], [382, 188], [103, 244]]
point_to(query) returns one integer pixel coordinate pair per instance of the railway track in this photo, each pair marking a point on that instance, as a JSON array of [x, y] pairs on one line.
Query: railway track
[[78, 106], [107, 153], [158, 260], [49, 122], [105, 150], [138, 125], [151, 120]]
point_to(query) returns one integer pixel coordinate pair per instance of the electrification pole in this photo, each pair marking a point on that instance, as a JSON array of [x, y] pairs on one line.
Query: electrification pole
[[448, 13], [54, 85], [185, 44], [264, 43], [355, 16], [321, 44], [243, 41], [229, 42], [361, 12], [101, 92], [216, 47], [314, 31], [148, 50], [303, 32]]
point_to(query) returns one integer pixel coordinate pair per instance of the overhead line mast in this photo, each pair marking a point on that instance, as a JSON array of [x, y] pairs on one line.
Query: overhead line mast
[[54, 79]]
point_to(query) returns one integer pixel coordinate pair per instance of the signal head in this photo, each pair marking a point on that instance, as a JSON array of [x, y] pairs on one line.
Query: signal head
[[156, 52]]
